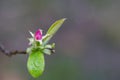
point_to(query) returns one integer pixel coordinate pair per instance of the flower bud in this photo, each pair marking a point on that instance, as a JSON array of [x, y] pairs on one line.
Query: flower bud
[[38, 35]]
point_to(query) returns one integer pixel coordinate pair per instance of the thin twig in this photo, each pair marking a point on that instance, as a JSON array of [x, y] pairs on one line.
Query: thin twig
[[10, 53]]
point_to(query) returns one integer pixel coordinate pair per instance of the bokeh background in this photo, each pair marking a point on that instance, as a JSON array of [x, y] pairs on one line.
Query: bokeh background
[[87, 44]]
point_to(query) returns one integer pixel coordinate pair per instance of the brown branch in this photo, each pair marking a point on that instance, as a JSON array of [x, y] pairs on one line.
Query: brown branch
[[10, 53]]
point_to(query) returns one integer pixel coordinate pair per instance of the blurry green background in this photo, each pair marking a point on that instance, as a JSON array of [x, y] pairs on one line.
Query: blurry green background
[[87, 45]]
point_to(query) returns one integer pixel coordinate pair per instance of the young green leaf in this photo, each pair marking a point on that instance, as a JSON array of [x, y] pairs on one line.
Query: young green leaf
[[36, 64], [53, 29], [55, 26], [47, 51]]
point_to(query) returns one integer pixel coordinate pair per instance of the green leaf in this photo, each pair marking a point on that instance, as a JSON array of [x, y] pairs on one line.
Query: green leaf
[[29, 49], [55, 26], [53, 45], [36, 64], [53, 29], [47, 51]]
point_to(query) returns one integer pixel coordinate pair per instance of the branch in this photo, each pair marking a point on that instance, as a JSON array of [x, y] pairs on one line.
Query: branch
[[10, 53]]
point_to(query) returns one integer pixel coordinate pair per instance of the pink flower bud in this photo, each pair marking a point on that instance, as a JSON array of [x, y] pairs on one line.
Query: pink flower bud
[[38, 35]]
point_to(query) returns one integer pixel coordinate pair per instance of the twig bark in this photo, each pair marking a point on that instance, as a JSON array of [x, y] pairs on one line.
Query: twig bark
[[10, 53]]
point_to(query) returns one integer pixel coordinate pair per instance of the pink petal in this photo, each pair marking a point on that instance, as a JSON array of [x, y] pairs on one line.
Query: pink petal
[[38, 34]]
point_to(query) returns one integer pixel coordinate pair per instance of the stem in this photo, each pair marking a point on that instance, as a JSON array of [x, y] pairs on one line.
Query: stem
[[10, 53]]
